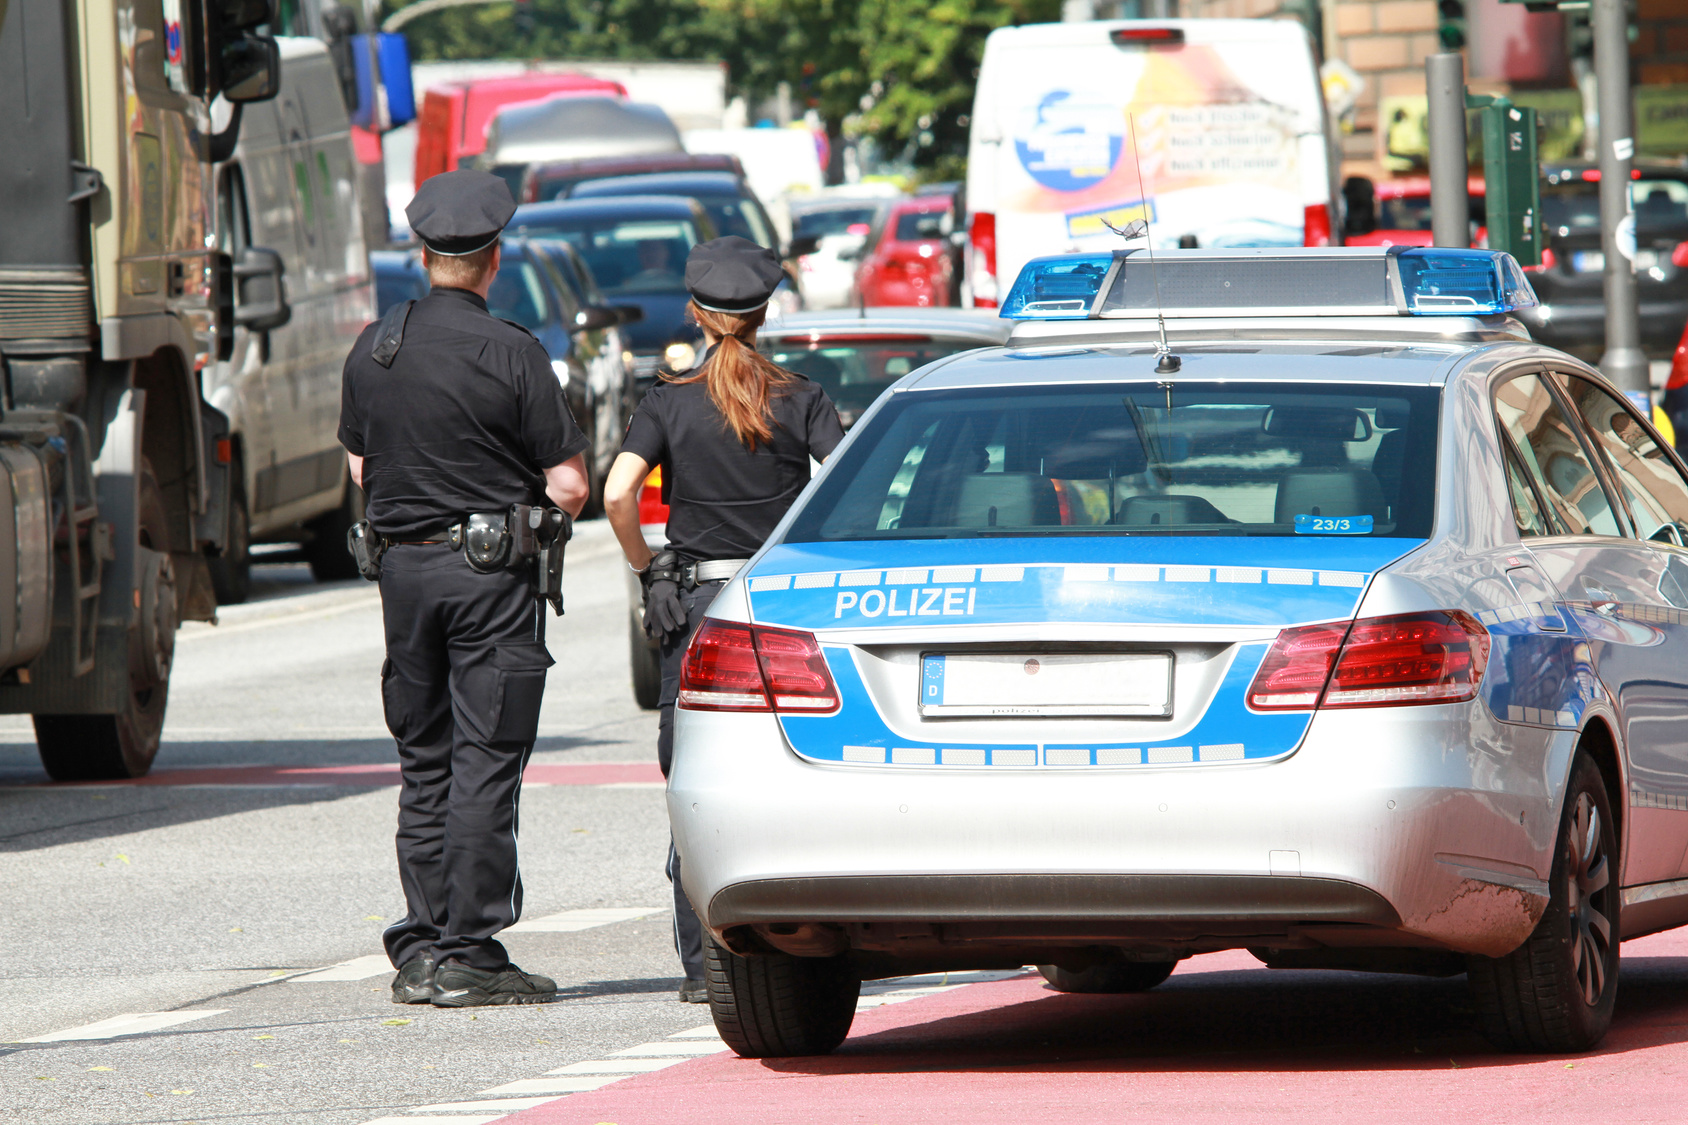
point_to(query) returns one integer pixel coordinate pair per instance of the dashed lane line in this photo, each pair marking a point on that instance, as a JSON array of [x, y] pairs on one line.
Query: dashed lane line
[[129, 1023], [573, 921], [358, 968]]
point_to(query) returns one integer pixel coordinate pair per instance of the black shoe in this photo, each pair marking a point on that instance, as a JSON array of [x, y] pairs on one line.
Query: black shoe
[[458, 986], [415, 982], [694, 991]]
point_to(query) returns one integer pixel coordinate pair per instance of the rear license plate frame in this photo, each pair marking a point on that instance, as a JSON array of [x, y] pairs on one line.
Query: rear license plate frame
[[1158, 664]]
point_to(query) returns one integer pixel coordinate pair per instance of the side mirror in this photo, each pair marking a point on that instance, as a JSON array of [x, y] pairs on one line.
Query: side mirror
[[259, 303], [594, 318], [247, 65], [629, 313], [797, 247]]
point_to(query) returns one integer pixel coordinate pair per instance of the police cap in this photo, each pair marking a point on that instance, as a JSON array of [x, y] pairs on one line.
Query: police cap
[[732, 275], [458, 213]]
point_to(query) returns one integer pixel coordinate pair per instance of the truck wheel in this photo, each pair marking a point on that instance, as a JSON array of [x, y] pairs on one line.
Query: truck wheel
[[326, 548], [1113, 976], [647, 666], [108, 747], [1555, 992], [231, 571], [779, 1006]]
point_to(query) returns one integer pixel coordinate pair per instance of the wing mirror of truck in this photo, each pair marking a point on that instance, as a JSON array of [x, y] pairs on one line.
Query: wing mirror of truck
[[259, 301], [804, 244], [247, 64]]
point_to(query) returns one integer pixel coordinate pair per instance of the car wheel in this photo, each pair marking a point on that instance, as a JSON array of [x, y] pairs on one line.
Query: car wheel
[[1111, 976], [1555, 992], [646, 661], [325, 550], [779, 1006], [231, 571], [124, 744]]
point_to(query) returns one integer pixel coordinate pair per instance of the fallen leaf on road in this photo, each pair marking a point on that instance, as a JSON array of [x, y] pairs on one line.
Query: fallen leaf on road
[[263, 1037], [394, 1023], [348, 1040], [99, 1068], [44, 1078], [1570, 1066], [260, 1064], [236, 930], [1452, 1065], [181, 1091], [583, 830], [122, 857], [373, 918]]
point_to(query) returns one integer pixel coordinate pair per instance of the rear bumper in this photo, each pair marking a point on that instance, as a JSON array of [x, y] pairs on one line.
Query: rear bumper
[[1426, 826]]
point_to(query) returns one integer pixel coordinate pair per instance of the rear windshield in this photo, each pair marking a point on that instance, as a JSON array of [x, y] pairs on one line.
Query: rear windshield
[[627, 256], [1574, 205], [854, 374], [913, 226], [839, 220], [1116, 459]]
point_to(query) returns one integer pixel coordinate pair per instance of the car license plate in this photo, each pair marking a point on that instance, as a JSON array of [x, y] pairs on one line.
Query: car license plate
[[1588, 261], [1038, 684]]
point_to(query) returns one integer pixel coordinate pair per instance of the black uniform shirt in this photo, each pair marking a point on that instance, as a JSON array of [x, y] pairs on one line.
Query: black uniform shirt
[[466, 420], [723, 499]]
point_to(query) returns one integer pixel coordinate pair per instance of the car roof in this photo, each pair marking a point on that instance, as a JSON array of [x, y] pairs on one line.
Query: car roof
[[980, 326], [1403, 362], [608, 207], [661, 183]]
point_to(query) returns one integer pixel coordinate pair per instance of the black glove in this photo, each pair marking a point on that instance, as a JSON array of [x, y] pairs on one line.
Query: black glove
[[665, 615]]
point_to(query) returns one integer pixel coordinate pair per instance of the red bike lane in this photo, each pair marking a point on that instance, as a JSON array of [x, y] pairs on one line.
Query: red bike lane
[[1224, 1040]]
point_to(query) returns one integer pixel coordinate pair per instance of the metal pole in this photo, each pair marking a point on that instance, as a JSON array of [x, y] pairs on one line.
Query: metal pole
[[1624, 363], [1450, 205]]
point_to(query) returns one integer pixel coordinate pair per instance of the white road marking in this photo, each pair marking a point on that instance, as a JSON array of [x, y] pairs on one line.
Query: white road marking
[[572, 1085], [506, 1105], [573, 921], [634, 785], [358, 968], [435, 1120], [130, 1023], [695, 1047], [616, 1066], [707, 1031]]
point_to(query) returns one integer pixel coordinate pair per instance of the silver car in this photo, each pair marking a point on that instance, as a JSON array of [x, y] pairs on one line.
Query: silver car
[[1348, 627]]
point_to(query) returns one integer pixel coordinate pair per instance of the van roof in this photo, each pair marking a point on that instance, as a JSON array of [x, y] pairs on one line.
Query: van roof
[[1195, 31]]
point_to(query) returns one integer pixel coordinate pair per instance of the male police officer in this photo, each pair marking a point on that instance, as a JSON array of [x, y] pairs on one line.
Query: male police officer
[[450, 417]]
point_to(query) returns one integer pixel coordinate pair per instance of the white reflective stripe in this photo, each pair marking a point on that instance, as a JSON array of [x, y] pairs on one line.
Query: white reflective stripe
[[130, 1023]]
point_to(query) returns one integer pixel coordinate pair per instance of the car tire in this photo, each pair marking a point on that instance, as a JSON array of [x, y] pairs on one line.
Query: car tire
[[231, 571], [325, 550], [778, 1006], [116, 746], [1111, 976], [646, 662], [1555, 992]]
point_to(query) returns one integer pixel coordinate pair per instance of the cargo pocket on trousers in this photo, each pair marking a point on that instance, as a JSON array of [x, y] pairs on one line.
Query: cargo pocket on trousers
[[404, 702], [521, 687]]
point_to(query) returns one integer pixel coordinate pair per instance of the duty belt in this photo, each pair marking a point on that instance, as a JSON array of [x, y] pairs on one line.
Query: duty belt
[[696, 574]]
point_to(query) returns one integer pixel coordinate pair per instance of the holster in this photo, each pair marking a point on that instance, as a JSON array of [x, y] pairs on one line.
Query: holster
[[552, 529], [366, 549]]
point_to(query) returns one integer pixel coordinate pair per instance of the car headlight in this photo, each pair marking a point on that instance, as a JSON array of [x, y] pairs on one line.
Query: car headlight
[[561, 367], [679, 357], [629, 360]]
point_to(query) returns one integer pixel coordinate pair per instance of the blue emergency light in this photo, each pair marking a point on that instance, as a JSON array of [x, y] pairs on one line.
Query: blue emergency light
[[1339, 281]]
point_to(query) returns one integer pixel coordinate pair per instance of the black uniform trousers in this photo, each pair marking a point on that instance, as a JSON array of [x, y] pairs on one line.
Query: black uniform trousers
[[688, 930], [462, 683]]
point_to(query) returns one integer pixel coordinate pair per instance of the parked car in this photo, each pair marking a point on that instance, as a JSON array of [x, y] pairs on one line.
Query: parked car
[[910, 263], [1571, 281], [636, 248], [555, 179], [1397, 212], [399, 276], [572, 128], [451, 127], [290, 192], [841, 226], [584, 342], [855, 356]]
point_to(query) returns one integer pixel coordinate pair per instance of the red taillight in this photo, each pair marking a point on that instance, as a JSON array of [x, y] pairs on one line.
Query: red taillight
[[983, 234], [1315, 225], [741, 667], [1164, 36], [651, 507], [1679, 364], [1679, 256], [1435, 657], [1548, 260]]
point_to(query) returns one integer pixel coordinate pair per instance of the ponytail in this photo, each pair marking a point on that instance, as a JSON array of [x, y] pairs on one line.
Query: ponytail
[[740, 380]]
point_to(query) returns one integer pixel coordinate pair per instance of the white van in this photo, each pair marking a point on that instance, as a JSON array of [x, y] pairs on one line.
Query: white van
[[1231, 135], [290, 191]]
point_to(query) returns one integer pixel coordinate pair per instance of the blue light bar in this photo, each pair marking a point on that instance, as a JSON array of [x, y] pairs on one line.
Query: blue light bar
[[1439, 281], [1058, 288]]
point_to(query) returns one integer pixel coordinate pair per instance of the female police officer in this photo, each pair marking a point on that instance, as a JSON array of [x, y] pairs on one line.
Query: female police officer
[[734, 441]]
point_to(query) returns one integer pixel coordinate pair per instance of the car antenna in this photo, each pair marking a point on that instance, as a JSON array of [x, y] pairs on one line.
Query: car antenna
[[1168, 363], [861, 304]]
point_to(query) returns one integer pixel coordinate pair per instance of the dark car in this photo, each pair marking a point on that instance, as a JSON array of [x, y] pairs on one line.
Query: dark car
[[636, 248], [584, 342], [557, 179], [1571, 281], [399, 276]]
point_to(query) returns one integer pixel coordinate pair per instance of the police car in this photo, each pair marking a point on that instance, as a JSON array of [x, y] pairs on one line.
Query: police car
[[1348, 626]]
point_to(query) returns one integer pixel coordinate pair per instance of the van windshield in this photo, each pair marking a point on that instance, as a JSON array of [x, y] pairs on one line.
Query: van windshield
[[627, 256], [1116, 459]]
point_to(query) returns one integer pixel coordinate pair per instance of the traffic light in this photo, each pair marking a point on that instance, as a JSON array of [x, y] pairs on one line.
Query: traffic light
[[1511, 178], [1450, 26]]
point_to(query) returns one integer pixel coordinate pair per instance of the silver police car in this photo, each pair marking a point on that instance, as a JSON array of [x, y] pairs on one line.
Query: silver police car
[[1292, 601]]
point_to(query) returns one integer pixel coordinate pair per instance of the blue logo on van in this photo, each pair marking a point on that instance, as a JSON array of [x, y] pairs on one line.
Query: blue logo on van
[[1070, 141]]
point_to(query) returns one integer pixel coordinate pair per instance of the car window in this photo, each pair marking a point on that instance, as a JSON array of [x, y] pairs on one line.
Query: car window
[[518, 294], [627, 256], [914, 226], [1655, 491], [568, 297], [1410, 212], [854, 374], [1120, 459], [1557, 462], [1527, 512], [833, 220], [735, 215]]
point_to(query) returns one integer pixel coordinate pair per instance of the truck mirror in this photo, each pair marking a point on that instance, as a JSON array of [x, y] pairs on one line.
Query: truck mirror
[[250, 69], [259, 302], [593, 318]]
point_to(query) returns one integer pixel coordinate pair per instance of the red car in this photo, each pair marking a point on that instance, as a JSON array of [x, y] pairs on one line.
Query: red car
[[911, 261], [1397, 212]]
